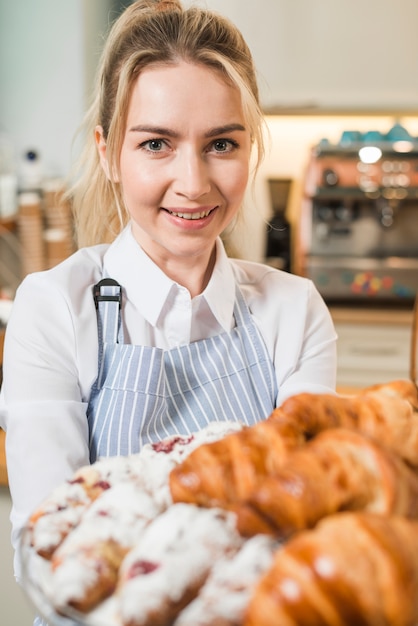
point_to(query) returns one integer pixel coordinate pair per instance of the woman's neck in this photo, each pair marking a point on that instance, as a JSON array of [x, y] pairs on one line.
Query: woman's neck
[[190, 266], [194, 276]]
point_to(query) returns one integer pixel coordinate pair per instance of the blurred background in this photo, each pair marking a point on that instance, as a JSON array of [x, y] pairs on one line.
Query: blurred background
[[336, 198]]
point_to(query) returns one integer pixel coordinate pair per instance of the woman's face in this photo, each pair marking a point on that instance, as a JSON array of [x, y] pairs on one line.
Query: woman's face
[[184, 162]]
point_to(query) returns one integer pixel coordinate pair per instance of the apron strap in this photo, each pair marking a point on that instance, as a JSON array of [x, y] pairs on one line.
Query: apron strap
[[241, 311], [107, 295]]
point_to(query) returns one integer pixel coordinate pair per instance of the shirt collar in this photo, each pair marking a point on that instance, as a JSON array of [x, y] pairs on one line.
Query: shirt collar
[[148, 288]]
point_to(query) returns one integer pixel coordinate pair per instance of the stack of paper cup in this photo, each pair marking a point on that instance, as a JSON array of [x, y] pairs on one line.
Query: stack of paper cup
[[30, 232], [56, 246], [59, 226]]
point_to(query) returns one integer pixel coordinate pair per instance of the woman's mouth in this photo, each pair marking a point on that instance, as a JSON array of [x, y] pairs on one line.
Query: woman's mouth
[[197, 215]]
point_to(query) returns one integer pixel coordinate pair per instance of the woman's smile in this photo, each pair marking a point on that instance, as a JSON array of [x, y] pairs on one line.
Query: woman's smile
[[195, 215]]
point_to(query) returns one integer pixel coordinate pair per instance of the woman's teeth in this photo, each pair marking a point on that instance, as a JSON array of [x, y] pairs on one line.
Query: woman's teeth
[[191, 216]]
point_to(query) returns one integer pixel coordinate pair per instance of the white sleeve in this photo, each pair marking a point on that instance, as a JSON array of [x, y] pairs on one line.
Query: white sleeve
[[298, 331], [44, 413], [307, 358]]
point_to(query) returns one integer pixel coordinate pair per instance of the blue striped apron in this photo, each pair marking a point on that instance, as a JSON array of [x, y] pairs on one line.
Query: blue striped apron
[[143, 394]]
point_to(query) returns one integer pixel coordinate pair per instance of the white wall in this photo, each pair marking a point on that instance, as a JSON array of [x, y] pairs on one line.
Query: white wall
[[323, 53], [47, 54]]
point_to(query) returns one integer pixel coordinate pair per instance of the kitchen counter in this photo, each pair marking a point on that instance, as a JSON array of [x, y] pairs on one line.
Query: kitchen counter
[[374, 345], [369, 315]]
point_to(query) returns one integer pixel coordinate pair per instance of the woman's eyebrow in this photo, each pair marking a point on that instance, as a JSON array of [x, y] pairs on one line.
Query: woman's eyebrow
[[168, 132], [156, 130], [222, 130]]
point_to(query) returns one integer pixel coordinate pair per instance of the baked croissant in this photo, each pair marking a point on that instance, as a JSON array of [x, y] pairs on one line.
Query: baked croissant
[[352, 569], [338, 470], [226, 471], [388, 413], [403, 389]]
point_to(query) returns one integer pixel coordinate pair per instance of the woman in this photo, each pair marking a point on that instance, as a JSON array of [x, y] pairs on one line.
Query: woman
[[149, 329]]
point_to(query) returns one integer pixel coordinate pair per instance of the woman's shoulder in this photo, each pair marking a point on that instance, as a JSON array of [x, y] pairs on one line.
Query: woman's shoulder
[[268, 290], [263, 276]]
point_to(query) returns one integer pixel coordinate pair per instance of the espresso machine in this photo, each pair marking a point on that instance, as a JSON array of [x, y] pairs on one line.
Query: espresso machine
[[359, 221]]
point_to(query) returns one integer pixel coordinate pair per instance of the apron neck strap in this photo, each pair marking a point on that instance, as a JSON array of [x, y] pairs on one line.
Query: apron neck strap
[[107, 296], [241, 311]]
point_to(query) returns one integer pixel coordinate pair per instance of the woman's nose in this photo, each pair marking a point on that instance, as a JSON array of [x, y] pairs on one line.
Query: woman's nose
[[191, 176]]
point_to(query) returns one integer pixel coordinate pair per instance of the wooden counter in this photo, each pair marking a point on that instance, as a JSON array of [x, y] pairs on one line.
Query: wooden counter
[[375, 345], [360, 315]]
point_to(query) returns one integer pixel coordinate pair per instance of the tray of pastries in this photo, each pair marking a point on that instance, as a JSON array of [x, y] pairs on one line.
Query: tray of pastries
[[308, 518]]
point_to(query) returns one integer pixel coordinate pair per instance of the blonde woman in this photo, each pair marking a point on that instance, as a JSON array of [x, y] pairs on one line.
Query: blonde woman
[[149, 329]]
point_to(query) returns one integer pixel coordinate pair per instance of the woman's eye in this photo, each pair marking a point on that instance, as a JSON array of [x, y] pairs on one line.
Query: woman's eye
[[153, 145], [224, 145]]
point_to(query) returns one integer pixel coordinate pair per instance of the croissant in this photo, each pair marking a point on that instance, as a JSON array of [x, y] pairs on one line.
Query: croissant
[[353, 568], [227, 471], [219, 473], [388, 413], [403, 389], [338, 470]]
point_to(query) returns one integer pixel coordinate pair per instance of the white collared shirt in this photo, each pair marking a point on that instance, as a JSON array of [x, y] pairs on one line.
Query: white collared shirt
[[51, 346]]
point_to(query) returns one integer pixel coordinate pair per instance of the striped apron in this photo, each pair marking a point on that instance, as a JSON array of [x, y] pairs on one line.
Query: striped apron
[[143, 394]]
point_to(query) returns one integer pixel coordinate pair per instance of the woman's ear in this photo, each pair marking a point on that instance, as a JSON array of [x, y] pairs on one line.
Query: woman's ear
[[102, 150]]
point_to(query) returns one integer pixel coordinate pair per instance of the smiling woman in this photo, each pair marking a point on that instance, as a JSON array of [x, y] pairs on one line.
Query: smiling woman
[[152, 330]]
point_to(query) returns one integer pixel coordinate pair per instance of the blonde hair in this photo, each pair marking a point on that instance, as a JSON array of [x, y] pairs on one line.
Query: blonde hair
[[150, 32]]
